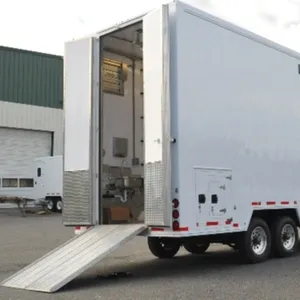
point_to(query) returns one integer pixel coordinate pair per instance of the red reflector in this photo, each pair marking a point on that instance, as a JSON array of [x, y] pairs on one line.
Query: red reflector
[[82, 227], [213, 223], [175, 203], [157, 229], [175, 225], [182, 229], [175, 214]]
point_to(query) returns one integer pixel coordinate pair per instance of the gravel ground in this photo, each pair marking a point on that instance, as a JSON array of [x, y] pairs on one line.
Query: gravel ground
[[218, 274]]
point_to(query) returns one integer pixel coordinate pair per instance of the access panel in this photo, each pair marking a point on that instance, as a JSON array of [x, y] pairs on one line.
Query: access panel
[[213, 194]]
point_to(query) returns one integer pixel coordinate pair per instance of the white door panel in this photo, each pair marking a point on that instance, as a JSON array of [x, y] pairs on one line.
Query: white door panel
[[156, 52]]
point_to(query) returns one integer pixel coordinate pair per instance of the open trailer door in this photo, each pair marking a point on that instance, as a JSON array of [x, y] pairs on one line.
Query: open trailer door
[[156, 60], [63, 264], [81, 132]]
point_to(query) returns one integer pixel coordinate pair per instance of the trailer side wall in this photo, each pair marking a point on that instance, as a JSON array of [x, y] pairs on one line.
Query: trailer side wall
[[238, 108]]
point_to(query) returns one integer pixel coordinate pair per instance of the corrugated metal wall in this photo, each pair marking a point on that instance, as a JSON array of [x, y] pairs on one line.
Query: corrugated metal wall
[[31, 78], [14, 115]]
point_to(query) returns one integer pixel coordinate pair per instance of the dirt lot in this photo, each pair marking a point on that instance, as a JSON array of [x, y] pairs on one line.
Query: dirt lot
[[217, 275]]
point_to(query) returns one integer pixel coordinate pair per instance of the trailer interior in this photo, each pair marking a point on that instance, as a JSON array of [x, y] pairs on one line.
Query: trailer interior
[[122, 135]]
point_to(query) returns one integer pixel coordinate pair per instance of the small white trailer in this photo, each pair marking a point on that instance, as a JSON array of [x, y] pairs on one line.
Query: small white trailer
[[188, 120], [44, 185], [48, 181]]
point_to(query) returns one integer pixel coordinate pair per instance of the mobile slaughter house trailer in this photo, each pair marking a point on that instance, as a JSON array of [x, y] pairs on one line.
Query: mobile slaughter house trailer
[[181, 127]]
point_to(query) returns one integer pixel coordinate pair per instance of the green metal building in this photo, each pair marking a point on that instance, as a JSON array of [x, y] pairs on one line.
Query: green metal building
[[31, 112], [31, 78]]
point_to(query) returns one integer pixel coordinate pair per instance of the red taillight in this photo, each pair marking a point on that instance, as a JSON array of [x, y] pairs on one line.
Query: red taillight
[[175, 203], [175, 214], [175, 225]]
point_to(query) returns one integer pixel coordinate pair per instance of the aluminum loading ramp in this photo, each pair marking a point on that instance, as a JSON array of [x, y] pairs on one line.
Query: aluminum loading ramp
[[63, 264]]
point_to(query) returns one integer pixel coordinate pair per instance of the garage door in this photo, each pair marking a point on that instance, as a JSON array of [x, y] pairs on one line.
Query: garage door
[[18, 148]]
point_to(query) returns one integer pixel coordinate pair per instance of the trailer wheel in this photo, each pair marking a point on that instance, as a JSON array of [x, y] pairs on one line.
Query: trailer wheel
[[51, 205], [163, 247], [196, 248], [285, 237], [59, 205], [256, 243]]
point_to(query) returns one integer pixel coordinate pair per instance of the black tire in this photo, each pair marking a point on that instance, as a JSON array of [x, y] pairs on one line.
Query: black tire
[[280, 246], [252, 238], [196, 248], [163, 247], [58, 205], [51, 205]]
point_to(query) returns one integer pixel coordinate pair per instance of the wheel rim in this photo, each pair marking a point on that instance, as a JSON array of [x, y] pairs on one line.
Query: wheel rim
[[50, 204], [288, 237], [59, 205], [259, 240]]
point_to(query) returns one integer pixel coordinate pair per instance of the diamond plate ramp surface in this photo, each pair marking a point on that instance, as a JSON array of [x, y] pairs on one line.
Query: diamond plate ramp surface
[[63, 264]]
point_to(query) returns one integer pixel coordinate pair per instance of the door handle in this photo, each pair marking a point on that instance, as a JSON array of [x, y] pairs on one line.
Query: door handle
[[223, 210]]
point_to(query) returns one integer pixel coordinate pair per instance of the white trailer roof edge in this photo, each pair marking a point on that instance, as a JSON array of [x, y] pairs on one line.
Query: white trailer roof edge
[[209, 18], [237, 29]]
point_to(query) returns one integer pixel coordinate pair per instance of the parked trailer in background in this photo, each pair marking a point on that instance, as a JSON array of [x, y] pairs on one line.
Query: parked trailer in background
[[49, 181], [188, 121], [43, 187]]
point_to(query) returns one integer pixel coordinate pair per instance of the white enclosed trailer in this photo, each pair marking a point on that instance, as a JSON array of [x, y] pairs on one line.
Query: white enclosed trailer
[[43, 186], [48, 181], [188, 118]]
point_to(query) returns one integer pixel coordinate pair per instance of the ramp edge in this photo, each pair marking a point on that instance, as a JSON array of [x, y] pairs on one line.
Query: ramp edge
[[138, 231], [99, 258], [3, 283]]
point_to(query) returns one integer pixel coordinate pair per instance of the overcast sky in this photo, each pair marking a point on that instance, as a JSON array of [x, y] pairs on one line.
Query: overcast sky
[[44, 25]]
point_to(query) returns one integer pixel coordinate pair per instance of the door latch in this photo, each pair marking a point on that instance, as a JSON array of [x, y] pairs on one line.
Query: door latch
[[223, 187]]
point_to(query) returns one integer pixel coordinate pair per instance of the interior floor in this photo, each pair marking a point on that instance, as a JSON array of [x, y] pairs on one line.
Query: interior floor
[[122, 128]]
